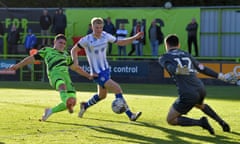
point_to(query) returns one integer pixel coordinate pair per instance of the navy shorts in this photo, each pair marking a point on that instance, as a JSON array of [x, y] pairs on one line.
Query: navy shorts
[[103, 77], [187, 101]]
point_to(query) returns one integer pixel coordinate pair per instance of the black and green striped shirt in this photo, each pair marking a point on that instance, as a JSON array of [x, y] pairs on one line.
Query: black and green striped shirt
[[54, 59]]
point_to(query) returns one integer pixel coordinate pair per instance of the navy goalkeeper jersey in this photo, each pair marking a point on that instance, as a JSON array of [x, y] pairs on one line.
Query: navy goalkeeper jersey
[[185, 83]]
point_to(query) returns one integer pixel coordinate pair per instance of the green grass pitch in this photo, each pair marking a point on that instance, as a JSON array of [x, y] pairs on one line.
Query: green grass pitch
[[23, 103]]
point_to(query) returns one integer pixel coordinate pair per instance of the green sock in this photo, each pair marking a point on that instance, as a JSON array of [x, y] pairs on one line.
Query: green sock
[[71, 94], [62, 105], [64, 96], [59, 107]]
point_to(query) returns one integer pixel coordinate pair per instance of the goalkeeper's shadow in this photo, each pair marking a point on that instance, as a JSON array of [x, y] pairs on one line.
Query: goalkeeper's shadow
[[235, 133]]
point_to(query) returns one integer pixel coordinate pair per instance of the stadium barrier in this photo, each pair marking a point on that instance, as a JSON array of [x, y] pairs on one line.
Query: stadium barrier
[[131, 69]]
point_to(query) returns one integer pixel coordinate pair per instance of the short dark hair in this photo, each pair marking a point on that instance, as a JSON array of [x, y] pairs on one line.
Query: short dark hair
[[60, 36], [172, 40]]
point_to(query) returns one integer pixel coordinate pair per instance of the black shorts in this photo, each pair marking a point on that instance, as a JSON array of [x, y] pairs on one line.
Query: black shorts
[[187, 101]]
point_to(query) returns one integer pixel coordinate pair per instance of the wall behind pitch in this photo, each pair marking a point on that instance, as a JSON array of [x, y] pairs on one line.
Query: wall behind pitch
[[150, 71], [172, 20], [128, 72]]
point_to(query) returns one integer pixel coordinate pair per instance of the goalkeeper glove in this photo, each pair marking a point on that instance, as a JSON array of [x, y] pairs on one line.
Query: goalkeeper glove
[[228, 77], [221, 77]]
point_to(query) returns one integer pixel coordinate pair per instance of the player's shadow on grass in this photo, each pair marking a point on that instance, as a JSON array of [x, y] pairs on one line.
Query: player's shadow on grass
[[65, 123], [94, 119], [135, 138], [132, 137], [236, 133], [107, 120], [174, 135], [23, 104]]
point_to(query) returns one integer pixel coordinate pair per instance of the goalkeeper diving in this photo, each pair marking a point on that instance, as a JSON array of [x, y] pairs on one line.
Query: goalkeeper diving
[[182, 68]]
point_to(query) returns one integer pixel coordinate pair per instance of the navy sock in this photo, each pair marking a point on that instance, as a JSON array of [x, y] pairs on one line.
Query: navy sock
[[128, 113], [95, 99], [210, 112], [184, 121], [119, 95]]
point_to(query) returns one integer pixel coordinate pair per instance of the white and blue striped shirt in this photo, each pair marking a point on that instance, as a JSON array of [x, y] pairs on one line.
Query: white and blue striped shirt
[[96, 49]]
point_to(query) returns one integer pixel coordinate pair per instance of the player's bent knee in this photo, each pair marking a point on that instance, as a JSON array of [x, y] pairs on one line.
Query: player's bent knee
[[60, 85], [171, 121], [102, 96]]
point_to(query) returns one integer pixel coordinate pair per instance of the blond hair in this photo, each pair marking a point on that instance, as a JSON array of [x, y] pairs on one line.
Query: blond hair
[[97, 20]]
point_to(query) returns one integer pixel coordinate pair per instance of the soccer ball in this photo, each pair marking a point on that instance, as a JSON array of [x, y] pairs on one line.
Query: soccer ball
[[119, 106], [168, 5]]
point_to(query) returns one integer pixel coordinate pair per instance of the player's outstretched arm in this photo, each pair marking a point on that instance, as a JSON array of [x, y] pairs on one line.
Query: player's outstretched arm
[[22, 63], [129, 40], [82, 72], [229, 77]]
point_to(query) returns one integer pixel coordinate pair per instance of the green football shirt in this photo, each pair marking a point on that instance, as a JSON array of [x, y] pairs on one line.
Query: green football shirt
[[54, 59], [57, 66]]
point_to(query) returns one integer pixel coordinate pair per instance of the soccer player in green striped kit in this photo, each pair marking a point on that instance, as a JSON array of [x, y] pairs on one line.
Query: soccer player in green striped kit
[[57, 60]]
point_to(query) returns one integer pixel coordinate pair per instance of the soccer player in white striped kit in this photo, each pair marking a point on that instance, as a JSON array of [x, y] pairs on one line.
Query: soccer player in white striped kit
[[95, 45]]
